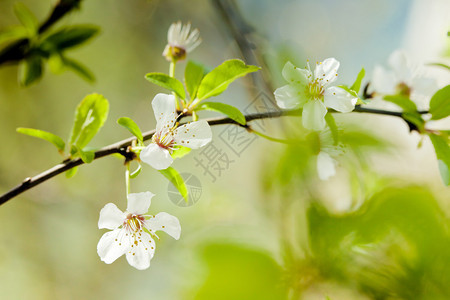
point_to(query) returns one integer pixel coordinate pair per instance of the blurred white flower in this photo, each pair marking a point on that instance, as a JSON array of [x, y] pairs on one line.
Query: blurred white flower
[[313, 92], [180, 41], [169, 135], [402, 78], [326, 162], [132, 231]]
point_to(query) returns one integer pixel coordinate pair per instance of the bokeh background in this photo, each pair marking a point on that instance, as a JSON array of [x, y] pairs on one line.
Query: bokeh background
[[266, 227]]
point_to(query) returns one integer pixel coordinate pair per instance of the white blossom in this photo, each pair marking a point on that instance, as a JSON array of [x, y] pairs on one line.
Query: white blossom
[[180, 41], [314, 92], [169, 135], [132, 231]]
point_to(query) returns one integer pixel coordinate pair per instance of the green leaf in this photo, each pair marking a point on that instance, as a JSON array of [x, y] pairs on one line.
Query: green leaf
[[136, 172], [403, 102], [349, 90], [27, 18], [13, 33], [333, 127], [69, 37], [79, 69], [217, 81], [180, 152], [193, 75], [442, 150], [167, 82], [175, 178], [49, 137], [55, 63], [30, 70], [86, 156], [416, 119], [90, 116], [440, 65], [71, 172], [131, 126], [228, 110], [357, 84], [440, 104]]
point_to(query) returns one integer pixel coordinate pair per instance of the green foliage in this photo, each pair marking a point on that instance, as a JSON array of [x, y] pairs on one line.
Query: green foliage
[[50, 137], [403, 102], [440, 104], [442, 149], [180, 152], [13, 33], [175, 178], [69, 37], [447, 67], [356, 86], [90, 116], [86, 156], [78, 68], [237, 272], [333, 127], [132, 127], [30, 70], [167, 82], [193, 75], [71, 172], [26, 17], [396, 244], [217, 81], [136, 172], [226, 109]]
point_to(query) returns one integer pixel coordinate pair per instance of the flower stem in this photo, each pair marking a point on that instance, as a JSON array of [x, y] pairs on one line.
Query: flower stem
[[127, 178], [172, 74], [269, 137]]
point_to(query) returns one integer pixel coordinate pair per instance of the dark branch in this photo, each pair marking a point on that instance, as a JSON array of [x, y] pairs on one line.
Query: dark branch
[[121, 147], [20, 49]]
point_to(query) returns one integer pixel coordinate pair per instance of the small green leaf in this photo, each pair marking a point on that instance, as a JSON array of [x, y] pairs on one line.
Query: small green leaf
[[49, 137], [71, 172], [217, 81], [69, 37], [90, 116], [228, 110], [349, 90], [403, 102], [193, 75], [136, 172], [27, 18], [175, 178], [131, 126], [440, 104], [86, 156], [167, 82], [440, 65], [30, 70], [416, 119], [55, 63], [442, 150], [357, 84], [333, 127], [180, 152], [79, 69], [13, 33]]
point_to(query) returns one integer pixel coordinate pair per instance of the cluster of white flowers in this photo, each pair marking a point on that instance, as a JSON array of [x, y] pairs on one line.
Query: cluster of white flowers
[[133, 230]]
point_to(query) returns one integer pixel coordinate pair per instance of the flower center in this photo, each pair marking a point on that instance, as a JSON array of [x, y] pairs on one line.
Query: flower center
[[174, 53], [164, 140], [315, 90], [134, 223], [403, 89]]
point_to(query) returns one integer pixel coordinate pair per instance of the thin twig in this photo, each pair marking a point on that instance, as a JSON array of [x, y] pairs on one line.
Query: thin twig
[[121, 147], [19, 49]]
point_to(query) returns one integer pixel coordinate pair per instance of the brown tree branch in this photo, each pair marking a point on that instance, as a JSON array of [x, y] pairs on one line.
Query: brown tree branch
[[121, 147]]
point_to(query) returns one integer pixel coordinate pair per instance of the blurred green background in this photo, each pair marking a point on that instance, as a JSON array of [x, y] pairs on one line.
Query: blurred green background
[[266, 227]]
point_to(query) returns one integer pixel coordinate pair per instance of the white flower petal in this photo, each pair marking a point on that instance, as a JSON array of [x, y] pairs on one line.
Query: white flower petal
[[142, 252], [164, 110], [289, 97], [399, 64], [138, 203], [424, 86], [313, 116], [157, 157], [339, 99], [383, 81], [112, 245], [295, 75], [165, 222], [193, 135], [327, 71], [325, 166], [110, 217]]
